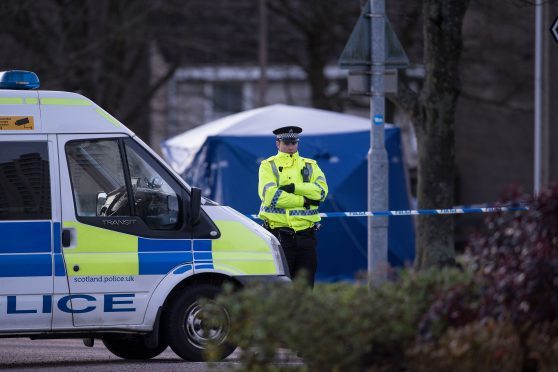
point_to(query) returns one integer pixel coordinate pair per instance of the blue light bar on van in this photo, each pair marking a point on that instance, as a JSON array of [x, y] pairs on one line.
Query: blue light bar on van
[[19, 79]]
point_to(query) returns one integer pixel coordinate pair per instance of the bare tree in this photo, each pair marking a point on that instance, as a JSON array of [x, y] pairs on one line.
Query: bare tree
[[98, 48], [317, 30]]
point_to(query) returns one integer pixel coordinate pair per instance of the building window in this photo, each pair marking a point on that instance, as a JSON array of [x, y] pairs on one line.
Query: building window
[[227, 98], [24, 181]]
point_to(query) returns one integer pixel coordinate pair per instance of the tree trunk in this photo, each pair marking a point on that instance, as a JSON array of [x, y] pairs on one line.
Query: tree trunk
[[434, 124], [318, 83], [435, 189]]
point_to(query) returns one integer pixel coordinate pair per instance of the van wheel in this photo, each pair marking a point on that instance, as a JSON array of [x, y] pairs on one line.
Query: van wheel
[[131, 347], [188, 333]]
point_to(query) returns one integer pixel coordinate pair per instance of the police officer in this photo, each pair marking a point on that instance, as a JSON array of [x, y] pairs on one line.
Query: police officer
[[291, 189]]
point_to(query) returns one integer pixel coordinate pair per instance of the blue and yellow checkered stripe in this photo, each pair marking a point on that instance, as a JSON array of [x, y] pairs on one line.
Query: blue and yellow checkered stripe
[[105, 252], [32, 249]]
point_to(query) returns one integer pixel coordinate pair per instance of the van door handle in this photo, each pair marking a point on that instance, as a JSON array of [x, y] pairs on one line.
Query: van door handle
[[66, 238]]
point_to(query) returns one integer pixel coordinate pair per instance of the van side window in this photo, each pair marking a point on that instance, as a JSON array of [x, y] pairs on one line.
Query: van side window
[[155, 201], [24, 181], [97, 177], [104, 180]]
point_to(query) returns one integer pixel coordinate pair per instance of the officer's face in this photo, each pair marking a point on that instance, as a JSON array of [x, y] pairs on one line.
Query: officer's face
[[289, 147]]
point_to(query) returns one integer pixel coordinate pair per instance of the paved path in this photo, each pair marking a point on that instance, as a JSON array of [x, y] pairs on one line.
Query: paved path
[[71, 355]]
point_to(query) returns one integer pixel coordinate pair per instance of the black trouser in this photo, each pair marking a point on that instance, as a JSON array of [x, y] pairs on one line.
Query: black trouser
[[300, 251]]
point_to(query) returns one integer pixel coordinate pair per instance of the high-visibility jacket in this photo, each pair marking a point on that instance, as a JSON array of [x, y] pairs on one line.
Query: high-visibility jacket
[[282, 209]]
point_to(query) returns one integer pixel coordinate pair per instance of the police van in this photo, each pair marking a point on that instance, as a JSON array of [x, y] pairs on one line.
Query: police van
[[100, 239]]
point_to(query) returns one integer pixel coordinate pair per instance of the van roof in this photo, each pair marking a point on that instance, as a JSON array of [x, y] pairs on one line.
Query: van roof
[[40, 111]]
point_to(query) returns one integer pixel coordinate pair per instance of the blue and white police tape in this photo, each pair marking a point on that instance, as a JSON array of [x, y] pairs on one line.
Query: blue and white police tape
[[420, 212]]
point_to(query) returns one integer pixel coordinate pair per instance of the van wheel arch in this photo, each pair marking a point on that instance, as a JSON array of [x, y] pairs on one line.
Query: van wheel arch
[[203, 278]]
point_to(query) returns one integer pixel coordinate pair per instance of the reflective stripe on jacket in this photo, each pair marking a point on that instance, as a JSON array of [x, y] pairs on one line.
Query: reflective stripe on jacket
[[282, 209]]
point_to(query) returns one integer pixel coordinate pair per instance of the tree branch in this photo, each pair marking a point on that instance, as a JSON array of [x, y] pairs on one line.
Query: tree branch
[[494, 102], [406, 99], [136, 110], [288, 13]]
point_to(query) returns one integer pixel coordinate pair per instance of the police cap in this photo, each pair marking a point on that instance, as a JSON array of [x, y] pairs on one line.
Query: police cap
[[289, 133]]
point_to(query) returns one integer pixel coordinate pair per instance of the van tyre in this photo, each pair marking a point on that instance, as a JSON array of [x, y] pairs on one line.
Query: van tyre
[[186, 332], [131, 347]]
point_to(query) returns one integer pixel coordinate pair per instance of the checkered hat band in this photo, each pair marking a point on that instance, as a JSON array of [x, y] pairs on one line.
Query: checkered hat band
[[283, 136]]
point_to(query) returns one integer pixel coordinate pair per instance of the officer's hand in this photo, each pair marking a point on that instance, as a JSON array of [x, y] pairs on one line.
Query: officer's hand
[[290, 188], [309, 202]]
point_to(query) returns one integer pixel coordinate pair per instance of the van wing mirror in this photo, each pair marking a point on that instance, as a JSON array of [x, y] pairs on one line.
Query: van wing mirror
[[195, 206], [101, 200]]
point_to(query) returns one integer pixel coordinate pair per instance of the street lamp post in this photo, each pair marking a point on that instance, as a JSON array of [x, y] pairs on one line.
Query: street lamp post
[[372, 55], [378, 191]]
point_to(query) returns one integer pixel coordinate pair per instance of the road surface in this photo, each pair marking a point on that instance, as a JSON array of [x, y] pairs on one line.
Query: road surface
[[20, 354]]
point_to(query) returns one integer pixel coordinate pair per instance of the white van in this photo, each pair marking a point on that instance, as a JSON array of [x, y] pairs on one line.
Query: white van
[[99, 238]]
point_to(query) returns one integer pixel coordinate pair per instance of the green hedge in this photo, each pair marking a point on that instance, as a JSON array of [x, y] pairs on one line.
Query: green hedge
[[345, 327], [336, 327]]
